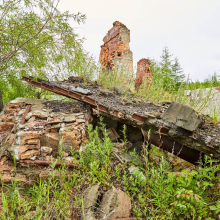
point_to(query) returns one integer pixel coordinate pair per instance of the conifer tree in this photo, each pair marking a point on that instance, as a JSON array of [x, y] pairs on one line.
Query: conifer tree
[[167, 73], [177, 72], [166, 68]]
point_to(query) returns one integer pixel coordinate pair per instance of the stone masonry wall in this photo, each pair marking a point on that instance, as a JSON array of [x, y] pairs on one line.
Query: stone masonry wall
[[47, 124], [115, 52]]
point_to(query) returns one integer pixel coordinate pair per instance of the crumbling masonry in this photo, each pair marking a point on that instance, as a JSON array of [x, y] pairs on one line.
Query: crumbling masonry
[[31, 130], [116, 55], [115, 52], [143, 72]]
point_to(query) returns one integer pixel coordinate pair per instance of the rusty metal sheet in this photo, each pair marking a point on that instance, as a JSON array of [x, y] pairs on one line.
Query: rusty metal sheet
[[66, 92], [74, 95], [138, 118], [103, 108], [56, 89], [84, 98], [89, 100], [118, 113], [28, 108], [184, 152]]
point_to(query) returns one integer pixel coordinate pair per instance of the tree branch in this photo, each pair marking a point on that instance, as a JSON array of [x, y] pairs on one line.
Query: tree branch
[[41, 29]]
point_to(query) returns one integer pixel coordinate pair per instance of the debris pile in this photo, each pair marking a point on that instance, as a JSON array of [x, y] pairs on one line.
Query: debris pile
[[204, 138], [31, 131]]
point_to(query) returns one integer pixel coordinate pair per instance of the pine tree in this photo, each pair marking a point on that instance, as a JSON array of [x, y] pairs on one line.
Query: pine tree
[[166, 60], [177, 72], [166, 68], [215, 79], [168, 73]]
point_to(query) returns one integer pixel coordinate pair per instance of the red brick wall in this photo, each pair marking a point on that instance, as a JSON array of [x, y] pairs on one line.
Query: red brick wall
[[143, 72], [116, 42]]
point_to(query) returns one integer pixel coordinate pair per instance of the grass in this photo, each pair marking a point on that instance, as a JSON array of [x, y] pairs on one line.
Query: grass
[[163, 193], [184, 93], [117, 79]]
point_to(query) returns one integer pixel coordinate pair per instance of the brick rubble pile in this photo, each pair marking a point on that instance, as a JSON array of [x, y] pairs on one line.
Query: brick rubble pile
[[44, 129]]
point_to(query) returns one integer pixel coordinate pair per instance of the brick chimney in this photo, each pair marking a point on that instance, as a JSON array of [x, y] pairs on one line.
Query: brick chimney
[[143, 72], [115, 52]]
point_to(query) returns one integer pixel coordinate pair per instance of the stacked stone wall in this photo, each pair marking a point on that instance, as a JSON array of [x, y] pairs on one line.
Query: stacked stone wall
[[43, 131]]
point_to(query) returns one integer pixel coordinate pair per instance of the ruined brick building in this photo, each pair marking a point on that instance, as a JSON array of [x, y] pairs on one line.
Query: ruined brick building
[[143, 72], [116, 55], [115, 52]]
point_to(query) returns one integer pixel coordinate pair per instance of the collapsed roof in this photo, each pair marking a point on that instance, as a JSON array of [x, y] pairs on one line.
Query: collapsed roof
[[175, 127]]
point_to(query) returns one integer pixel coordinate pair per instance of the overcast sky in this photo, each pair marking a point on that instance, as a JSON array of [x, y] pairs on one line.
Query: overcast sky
[[189, 28]]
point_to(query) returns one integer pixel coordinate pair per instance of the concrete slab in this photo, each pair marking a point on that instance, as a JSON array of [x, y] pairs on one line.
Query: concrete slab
[[182, 116]]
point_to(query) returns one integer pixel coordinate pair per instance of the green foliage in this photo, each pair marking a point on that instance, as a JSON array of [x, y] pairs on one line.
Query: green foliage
[[167, 74], [44, 199], [176, 195], [115, 78], [96, 149], [211, 81], [156, 191], [36, 39], [97, 155]]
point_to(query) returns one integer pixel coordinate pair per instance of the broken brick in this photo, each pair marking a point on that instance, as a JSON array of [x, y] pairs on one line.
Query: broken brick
[[50, 140], [71, 139], [28, 154], [27, 135], [4, 126], [25, 148]]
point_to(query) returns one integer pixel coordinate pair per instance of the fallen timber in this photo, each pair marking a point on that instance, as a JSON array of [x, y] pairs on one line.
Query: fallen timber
[[187, 143]]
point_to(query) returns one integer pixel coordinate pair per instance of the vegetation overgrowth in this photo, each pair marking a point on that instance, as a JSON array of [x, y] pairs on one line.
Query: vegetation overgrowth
[[156, 190], [168, 84], [45, 45], [36, 39]]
